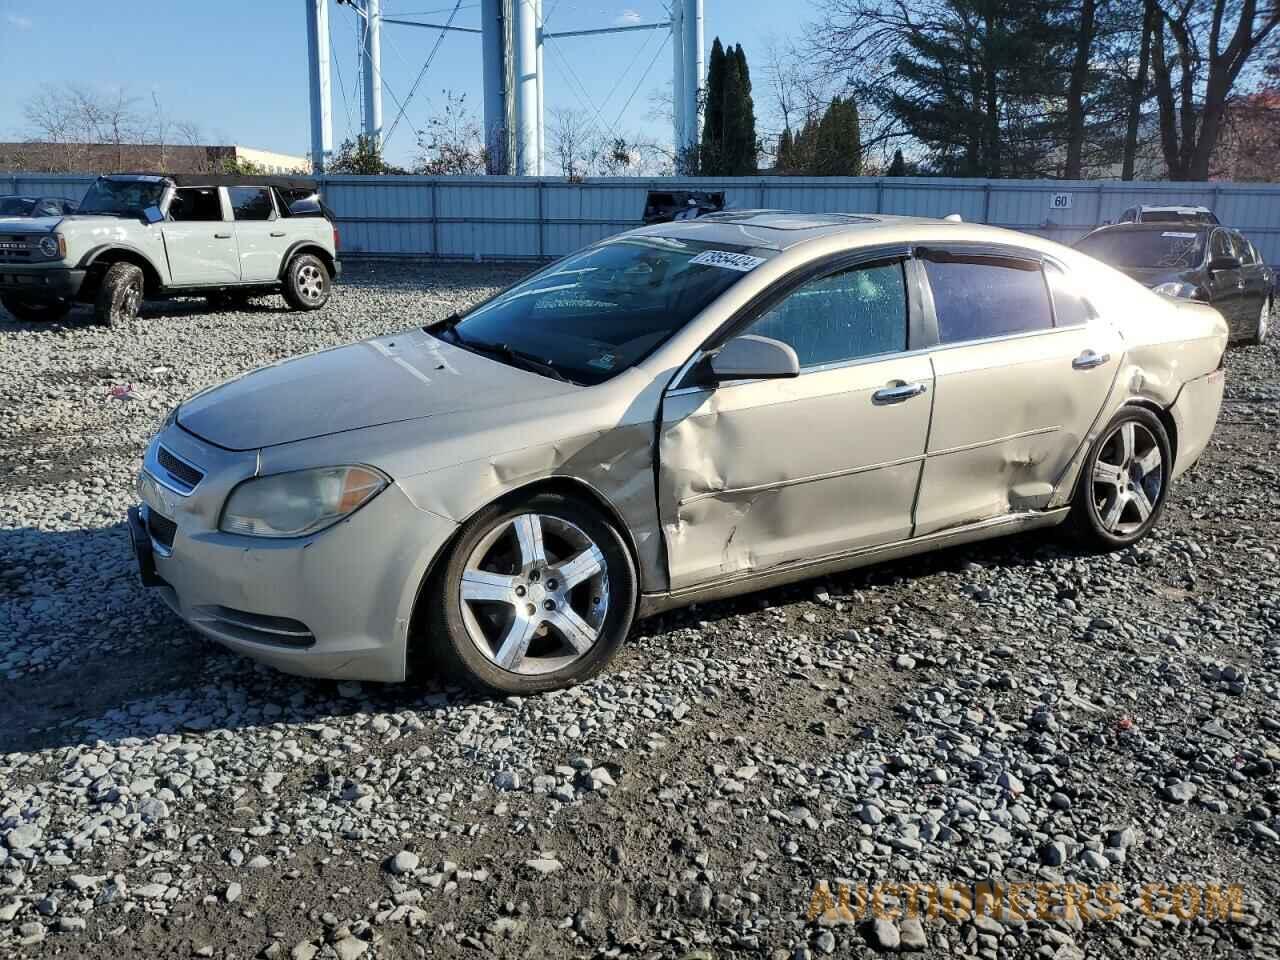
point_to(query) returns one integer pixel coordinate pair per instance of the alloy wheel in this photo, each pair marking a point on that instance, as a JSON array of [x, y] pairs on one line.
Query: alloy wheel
[[1128, 477], [131, 302], [310, 282], [1264, 320], [534, 594]]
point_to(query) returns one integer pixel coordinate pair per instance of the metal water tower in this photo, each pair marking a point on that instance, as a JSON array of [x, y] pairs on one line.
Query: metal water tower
[[511, 38]]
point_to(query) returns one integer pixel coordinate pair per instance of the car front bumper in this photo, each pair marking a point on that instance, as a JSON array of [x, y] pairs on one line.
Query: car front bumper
[[37, 283], [337, 604]]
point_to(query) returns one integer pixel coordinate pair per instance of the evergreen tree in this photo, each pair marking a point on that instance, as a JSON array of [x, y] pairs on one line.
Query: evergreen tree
[[838, 145], [712, 147], [746, 147], [784, 159], [898, 168], [729, 146]]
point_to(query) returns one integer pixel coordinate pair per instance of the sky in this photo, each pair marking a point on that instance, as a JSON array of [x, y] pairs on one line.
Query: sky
[[238, 68]]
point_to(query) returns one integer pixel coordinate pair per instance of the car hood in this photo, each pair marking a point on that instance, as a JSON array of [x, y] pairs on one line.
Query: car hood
[[28, 225], [404, 376], [1154, 276]]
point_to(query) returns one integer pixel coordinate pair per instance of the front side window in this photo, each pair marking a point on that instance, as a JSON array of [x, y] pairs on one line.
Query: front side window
[[596, 313], [856, 313], [251, 203], [980, 297], [198, 204], [122, 198], [1242, 248], [1220, 245]]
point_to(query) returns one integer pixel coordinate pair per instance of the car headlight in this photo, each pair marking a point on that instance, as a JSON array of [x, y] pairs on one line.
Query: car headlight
[[300, 503], [1176, 288], [54, 246]]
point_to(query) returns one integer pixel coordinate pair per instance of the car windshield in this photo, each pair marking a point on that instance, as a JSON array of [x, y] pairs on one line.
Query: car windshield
[[122, 198], [1174, 249], [594, 314], [15, 206]]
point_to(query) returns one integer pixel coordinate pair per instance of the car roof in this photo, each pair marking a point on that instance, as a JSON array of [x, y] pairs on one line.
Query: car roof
[[781, 229], [1173, 208], [221, 180]]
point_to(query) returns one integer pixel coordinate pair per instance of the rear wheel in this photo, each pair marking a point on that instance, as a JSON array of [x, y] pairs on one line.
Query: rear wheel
[[534, 596], [306, 282], [119, 295], [1125, 481], [1263, 327], [35, 310]]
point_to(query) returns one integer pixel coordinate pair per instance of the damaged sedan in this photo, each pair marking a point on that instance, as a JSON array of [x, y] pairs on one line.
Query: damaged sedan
[[685, 411]]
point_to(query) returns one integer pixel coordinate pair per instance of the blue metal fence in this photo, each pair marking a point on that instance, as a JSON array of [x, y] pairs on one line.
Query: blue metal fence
[[528, 218]]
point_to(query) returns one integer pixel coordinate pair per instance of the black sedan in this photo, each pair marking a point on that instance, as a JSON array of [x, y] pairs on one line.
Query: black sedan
[[1212, 264], [15, 206]]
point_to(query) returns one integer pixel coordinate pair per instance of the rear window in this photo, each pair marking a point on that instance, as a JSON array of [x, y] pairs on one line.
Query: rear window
[[981, 297], [1176, 248], [251, 203]]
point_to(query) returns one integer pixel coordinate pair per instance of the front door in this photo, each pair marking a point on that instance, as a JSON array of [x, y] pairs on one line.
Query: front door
[[199, 239], [757, 474], [1226, 287], [260, 234], [1256, 285], [1020, 379]]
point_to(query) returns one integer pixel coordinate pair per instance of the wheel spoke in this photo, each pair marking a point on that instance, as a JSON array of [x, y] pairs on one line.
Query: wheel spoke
[[580, 635], [1138, 497], [1114, 511], [1108, 473], [1126, 442], [528, 529], [515, 642], [583, 566], [1149, 461], [483, 585]]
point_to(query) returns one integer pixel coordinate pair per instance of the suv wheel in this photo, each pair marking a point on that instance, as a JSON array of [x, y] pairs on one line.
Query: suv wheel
[[35, 310], [534, 596], [1124, 482], [306, 282], [119, 295]]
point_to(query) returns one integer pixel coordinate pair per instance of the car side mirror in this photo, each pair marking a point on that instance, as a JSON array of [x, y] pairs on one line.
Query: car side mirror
[[152, 214], [1224, 263], [752, 357]]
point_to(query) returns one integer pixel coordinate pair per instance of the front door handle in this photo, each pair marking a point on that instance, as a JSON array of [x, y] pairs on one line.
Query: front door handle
[[898, 393], [277, 233], [222, 236], [1088, 360]]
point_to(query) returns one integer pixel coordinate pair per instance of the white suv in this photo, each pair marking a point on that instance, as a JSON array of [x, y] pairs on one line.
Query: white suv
[[139, 237]]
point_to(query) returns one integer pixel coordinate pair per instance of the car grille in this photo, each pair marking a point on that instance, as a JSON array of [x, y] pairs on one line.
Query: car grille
[[161, 529], [184, 475], [21, 253], [254, 627]]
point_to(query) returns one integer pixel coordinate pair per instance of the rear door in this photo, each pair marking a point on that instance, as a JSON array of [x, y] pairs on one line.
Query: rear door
[[759, 473], [199, 238], [1022, 369], [260, 234], [1257, 284], [1226, 287]]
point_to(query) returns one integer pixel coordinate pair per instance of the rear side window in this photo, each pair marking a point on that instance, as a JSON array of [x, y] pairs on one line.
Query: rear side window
[[856, 313], [196, 204], [980, 297], [1069, 307], [251, 203]]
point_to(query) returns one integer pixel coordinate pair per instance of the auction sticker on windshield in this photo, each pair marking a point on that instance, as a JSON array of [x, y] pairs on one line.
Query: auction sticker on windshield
[[741, 262], [1179, 236]]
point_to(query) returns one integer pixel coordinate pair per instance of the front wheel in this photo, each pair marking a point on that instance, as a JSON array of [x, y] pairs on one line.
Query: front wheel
[[1263, 327], [306, 282], [1124, 481], [119, 295], [534, 596], [36, 311]]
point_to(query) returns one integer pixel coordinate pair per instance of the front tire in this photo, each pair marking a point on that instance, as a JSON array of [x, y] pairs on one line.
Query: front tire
[[1263, 327], [34, 311], [1124, 482], [119, 295], [534, 596], [306, 282]]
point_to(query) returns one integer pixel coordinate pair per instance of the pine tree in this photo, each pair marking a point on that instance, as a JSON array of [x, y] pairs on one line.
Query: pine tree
[[898, 168], [785, 161], [745, 150], [729, 146], [712, 148]]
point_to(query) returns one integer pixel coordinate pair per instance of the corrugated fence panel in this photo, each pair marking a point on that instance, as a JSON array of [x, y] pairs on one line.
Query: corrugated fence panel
[[531, 218]]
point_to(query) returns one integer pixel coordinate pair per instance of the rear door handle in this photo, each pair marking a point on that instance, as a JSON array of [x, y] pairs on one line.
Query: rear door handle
[[222, 236], [1088, 360], [898, 394]]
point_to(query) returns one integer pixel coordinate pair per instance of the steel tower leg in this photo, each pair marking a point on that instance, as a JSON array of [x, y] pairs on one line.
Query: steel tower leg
[[372, 60], [318, 76]]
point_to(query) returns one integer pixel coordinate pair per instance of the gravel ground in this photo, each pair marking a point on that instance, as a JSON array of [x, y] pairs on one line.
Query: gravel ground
[[1013, 711]]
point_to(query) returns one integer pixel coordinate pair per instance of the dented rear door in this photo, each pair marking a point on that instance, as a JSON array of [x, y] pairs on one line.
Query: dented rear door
[[757, 475]]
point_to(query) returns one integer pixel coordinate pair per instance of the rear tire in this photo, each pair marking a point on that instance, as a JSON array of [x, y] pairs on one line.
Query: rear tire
[[119, 295], [306, 282], [1262, 330], [550, 595], [34, 311], [1124, 482]]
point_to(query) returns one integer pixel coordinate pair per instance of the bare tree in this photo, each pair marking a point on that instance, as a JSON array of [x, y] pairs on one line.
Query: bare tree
[[569, 136], [75, 115], [453, 143]]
